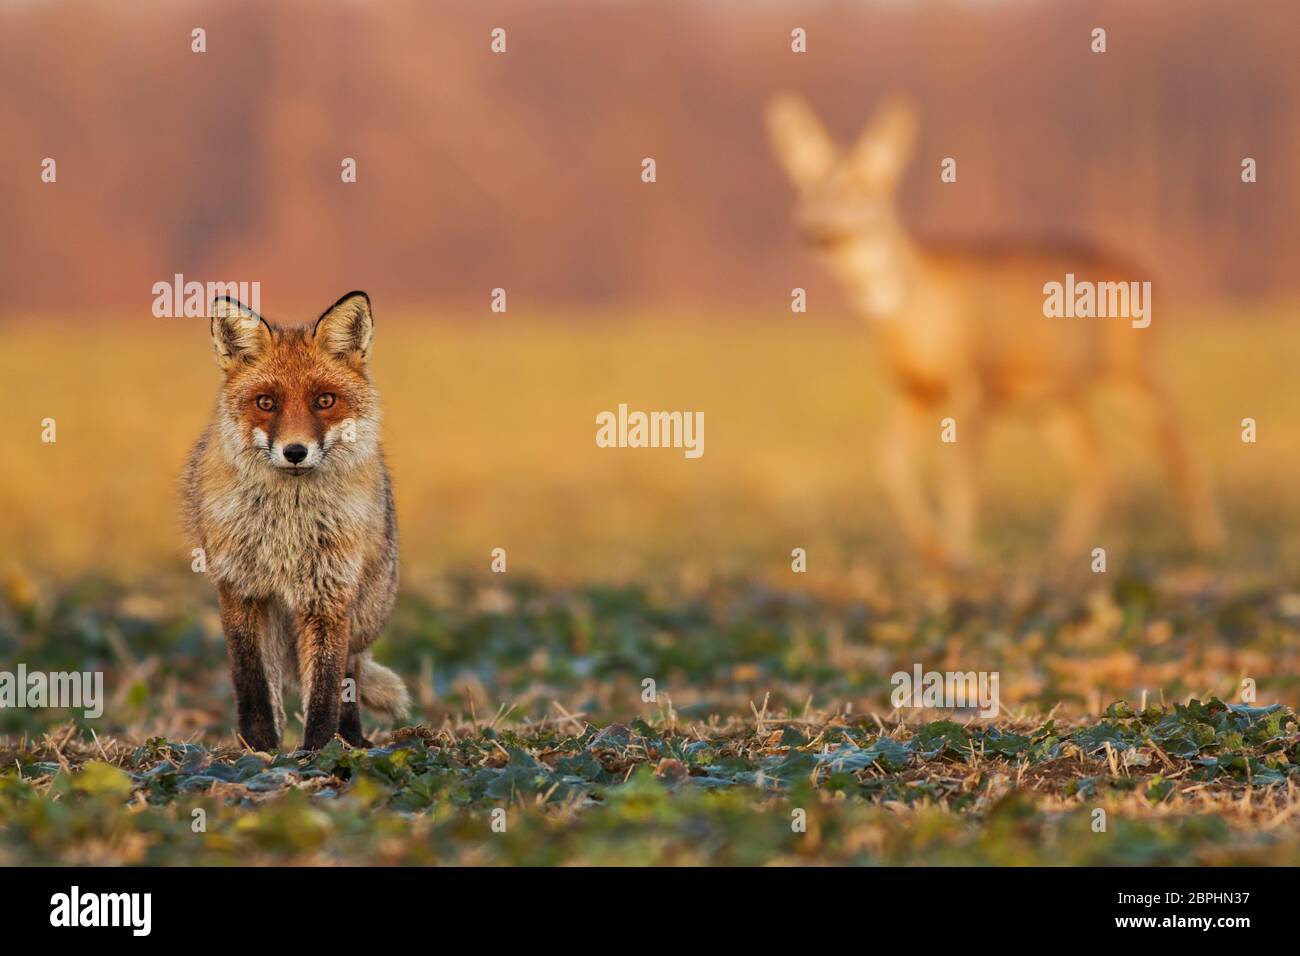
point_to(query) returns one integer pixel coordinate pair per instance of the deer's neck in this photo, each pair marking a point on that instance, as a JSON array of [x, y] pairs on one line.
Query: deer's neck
[[879, 272]]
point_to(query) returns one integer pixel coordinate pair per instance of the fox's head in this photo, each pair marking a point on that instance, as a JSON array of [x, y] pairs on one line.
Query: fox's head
[[296, 400], [844, 194]]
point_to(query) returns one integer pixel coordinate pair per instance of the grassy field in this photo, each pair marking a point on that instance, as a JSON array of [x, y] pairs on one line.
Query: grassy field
[[771, 689], [490, 431]]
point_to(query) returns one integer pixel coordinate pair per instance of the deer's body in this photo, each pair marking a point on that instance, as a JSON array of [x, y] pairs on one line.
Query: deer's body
[[974, 313], [963, 334]]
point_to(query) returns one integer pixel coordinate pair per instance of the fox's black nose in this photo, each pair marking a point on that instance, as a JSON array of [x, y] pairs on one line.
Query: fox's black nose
[[295, 453]]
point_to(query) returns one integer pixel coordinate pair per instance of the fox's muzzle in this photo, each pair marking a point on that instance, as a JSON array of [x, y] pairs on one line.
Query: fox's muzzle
[[296, 455]]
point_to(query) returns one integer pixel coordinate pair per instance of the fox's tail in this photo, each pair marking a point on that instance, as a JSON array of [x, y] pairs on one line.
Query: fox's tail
[[382, 690]]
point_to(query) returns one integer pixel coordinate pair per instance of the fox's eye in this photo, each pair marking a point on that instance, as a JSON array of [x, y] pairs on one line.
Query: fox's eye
[[266, 403], [324, 399]]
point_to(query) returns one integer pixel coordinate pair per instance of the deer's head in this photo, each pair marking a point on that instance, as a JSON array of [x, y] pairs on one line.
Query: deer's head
[[844, 194]]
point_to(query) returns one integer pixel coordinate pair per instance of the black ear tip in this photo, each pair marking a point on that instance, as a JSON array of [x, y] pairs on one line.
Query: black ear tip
[[355, 293], [226, 300]]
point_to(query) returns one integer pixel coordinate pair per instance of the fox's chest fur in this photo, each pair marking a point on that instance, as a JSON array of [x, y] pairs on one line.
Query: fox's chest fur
[[297, 542], [303, 540]]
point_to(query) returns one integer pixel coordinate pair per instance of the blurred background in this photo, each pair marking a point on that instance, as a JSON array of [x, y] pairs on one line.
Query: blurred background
[[522, 171], [480, 170]]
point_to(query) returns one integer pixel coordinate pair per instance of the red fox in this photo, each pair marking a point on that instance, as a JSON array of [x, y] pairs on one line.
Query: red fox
[[965, 334], [288, 495]]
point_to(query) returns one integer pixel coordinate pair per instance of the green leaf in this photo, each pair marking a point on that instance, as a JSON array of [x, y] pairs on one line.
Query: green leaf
[[96, 778]]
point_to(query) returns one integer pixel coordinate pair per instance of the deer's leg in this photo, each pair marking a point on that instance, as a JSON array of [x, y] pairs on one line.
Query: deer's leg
[[901, 476], [1190, 484], [1071, 433], [959, 490]]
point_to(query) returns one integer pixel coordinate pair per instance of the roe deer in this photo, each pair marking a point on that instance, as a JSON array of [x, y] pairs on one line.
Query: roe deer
[[964, 334]]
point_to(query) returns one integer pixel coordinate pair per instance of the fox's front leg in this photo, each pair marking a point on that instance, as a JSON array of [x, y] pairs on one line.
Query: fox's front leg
[[323, 636], [244, 622]]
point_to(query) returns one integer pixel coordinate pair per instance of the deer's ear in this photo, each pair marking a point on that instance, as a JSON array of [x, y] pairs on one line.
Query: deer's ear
[[238, 333], [799, 140], [346, 328], [886, 144]]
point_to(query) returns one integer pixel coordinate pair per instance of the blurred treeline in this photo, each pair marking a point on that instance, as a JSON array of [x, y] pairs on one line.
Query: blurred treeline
[[523, 170]]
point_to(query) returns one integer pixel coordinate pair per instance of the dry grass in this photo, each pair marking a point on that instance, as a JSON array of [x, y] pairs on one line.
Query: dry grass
[[689, 792]]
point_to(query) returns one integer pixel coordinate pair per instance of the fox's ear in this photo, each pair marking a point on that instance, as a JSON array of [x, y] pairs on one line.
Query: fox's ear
[[800, 141], [346, 328], [238, 333], [886, 144]]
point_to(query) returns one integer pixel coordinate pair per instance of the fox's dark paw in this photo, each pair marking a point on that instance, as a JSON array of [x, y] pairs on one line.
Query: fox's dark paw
[[350, 727]]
